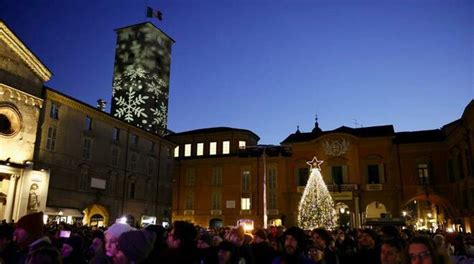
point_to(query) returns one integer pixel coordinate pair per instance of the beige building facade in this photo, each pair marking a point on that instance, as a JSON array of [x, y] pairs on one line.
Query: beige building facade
[[23, 186]]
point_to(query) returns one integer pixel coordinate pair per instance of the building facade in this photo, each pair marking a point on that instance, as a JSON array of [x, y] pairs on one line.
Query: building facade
[[374, 174], [73, 161], [101, 168], [23, 185]]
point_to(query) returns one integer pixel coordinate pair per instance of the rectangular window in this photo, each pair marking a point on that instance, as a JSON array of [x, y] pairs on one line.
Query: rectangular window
[[88, 123], [115, 156], [116, 134], [245, 181], [302, 176], [152, 147], [190, 177], [151, 164], [187, 150], [423, 174], [132, 190], [216, 176], [337, 176], [216, 200], [189, 201], [225, 147], [271, 178], [213, 148], [200, 149], [133, 161], [272, 200], [134, 139], [54, 111], [245, 204], [176, 152], [373, 175], [86, 148], [51, 140], [242, 144]]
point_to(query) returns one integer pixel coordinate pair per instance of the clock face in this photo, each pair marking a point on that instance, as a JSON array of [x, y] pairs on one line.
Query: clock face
[[10, 120]]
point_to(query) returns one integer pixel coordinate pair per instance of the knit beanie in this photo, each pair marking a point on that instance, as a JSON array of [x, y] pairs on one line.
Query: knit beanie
[[32, 224], [117, 229], [76, 242], [136, 245], [298, 234]]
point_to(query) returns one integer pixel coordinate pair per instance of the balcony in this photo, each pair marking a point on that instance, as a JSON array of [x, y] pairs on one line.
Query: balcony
[[216, 212], [188, 212], [342, 187], [245, 212], [374, 187]]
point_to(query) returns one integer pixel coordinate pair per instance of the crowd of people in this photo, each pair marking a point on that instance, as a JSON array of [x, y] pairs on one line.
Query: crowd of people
[[30, 241]]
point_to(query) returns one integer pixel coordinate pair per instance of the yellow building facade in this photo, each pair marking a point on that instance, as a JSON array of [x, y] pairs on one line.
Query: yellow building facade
[[374, 174]]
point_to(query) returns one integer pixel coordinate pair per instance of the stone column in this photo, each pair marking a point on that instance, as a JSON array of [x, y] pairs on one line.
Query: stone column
[[10, 198], [357, 212]]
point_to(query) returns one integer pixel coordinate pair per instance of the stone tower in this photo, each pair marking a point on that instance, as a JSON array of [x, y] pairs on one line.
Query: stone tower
[[141, 77]]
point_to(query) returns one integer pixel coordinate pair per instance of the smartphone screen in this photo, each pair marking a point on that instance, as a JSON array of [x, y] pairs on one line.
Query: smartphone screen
[[65, 233]]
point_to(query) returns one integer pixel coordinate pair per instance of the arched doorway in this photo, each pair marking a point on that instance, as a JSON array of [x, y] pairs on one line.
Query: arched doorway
[[216, 222], [344, 214], [375, 210], [97, 212], [96, 220], [430, 212]]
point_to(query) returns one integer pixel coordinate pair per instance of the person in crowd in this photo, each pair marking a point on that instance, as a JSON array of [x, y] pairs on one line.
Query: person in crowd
[[316, 254], [368, 252], [422, 250], [295, 247], [391, 251], [160, 242], [262, 251], [468, 256], [321, 239], [182, 244], [72, 250], [96, 251], [237, 236], [7, 247], [44, 255], [134, 247], [112, 235], [207, 252], [228, 253], [28, 236]]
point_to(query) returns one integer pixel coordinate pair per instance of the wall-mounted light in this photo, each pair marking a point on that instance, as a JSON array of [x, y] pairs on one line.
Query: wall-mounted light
[[342, 210], [7, 161], [429, 215], [404, 213]]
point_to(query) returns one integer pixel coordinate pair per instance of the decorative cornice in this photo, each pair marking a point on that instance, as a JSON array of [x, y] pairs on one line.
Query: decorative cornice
[[7, 36], [21, 96]]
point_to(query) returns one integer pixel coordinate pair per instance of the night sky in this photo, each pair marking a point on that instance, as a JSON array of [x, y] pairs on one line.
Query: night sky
[[270, 65]]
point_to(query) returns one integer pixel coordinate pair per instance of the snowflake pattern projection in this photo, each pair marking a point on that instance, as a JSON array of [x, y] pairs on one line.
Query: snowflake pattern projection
[[159, 116], [130, 106]]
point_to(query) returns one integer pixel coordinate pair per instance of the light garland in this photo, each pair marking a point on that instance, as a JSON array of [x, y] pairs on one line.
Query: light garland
[[316, 207]]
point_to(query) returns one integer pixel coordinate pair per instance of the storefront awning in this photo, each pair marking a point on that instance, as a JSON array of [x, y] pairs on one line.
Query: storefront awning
[[63, 211]]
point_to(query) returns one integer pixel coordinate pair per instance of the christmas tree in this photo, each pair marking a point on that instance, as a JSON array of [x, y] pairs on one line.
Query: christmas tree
[[316, 208]]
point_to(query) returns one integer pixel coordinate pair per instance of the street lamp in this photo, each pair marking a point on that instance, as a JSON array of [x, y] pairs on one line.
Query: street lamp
[[264, 150]]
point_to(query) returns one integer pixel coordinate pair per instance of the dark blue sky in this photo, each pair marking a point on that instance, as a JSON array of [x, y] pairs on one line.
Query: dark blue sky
[[269, 66]]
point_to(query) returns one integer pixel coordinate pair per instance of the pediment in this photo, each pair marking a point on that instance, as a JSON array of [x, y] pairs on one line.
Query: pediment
[[17, 57]]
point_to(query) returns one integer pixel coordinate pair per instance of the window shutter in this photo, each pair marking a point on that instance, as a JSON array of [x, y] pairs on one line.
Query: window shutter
[[344, 175], [381, 173]]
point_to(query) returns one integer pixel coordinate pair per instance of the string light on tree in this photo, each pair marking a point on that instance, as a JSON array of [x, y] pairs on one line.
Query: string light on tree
[[316, 208]]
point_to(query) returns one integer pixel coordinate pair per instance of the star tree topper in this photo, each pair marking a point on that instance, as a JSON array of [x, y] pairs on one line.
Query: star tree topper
[[315, 163]]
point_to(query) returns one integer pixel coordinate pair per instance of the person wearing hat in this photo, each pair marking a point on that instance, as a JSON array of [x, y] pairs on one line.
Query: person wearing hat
[[134, 247], [261, 248], [322, 239], [295, 246], [28, 236], [72, 250], [368, 252], [112, 235]]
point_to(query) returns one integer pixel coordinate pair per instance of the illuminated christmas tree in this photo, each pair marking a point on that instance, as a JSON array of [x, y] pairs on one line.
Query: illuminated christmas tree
[[316, 208]]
